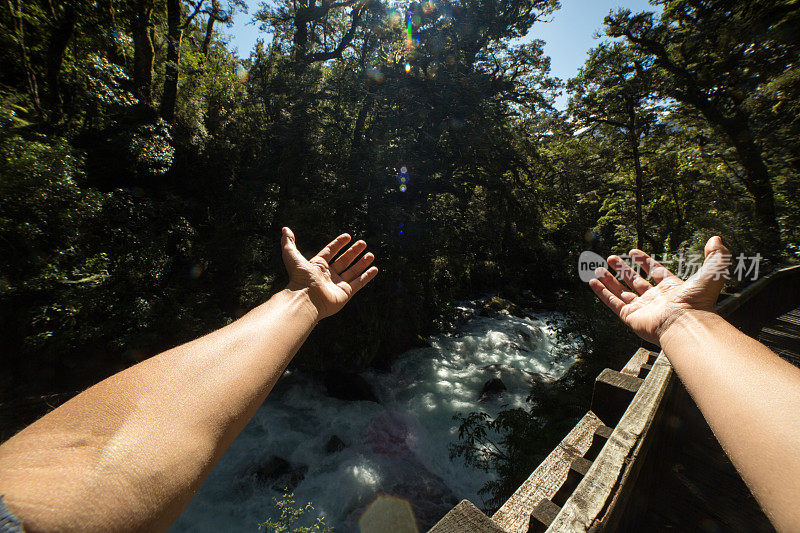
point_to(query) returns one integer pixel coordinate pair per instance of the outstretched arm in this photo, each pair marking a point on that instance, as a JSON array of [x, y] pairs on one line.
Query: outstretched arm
[[749, 396], [130, 452]]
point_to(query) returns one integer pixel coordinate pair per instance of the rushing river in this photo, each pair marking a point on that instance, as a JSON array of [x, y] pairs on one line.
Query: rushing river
[[398, 447]]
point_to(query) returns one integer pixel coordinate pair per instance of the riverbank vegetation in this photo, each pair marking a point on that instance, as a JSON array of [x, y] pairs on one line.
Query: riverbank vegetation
[[146, 171]]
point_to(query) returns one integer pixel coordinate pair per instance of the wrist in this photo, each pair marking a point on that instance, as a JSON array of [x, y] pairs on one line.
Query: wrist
[[300, 298], [684, 323]]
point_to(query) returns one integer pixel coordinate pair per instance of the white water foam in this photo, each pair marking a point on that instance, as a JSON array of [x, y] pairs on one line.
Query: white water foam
[[398, 447]]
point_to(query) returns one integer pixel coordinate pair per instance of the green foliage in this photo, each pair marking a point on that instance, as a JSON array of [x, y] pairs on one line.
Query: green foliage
[[290, 514]]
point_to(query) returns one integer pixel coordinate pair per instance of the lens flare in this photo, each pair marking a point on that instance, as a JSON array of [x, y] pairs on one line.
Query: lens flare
[[395, 18], [428, 7], [403, 177], [408, 68], [388, 513], [242, 73], [403, 188], [121, 38], [376, 75], [196, 271], [591, 236]]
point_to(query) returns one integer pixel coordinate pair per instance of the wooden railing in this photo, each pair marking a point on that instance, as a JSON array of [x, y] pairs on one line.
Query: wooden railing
[[587, 481]]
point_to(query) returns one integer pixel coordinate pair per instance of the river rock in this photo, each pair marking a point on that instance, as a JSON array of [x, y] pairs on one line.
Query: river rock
[[282, 474], [493, 387], [500, 306], [349, 387], [335, 444]]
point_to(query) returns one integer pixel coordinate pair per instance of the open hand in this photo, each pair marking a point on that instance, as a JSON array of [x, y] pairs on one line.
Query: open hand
[[650, 310], [330, 284]]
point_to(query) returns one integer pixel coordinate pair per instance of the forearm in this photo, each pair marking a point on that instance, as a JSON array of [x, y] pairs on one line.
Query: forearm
[[130, 452], [751, 399]]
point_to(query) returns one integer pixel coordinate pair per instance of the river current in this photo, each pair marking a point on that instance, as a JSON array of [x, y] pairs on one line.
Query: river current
[[398, 447]]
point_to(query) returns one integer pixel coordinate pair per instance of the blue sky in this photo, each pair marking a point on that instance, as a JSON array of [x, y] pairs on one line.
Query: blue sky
[[569, 34]]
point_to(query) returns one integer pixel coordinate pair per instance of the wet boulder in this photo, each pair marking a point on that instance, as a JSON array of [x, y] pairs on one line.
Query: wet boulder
[[334, 445], [493, 387], [392, 434], [279, 473]]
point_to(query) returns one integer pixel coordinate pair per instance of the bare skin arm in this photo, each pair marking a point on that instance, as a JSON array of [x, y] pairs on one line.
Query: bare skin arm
[[130, 452], [749, 396]]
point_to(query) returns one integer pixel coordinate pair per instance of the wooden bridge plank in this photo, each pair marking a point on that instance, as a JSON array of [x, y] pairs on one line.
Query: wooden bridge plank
[[544, 482]]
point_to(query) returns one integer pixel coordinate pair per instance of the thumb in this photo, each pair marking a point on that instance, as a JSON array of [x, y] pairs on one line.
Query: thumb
[[714, 272], [291, 255]]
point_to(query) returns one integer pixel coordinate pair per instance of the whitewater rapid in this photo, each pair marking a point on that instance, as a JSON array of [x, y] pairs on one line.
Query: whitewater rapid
[[398, 447]]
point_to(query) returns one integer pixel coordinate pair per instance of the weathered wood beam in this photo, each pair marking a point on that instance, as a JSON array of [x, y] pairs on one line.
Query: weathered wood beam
[[601, 436], [577, 470], [549, 476], [583, 509], [466, 517], [542, 516], [642, 356], [613, 392]]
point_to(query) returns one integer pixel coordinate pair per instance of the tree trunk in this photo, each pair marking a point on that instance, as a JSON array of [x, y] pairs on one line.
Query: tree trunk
[[756, 175], [757, 182], [638, 178], [56, 47], [212, 18], [143, 54], [15, 6], [172, 72]]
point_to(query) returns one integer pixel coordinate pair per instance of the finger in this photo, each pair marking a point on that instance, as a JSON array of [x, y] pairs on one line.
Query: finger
[[363, 279], [330, 251], [291, 255], [612, 284], [715, 244], [358, 268], [651, 267], [606, 296], [341, 264], [631, 278]]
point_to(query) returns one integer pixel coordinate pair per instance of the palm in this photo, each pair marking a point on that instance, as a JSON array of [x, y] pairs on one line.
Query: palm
[[330, 283], [649, 309]]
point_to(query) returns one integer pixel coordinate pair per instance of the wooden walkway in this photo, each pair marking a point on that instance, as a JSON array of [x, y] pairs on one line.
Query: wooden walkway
[[782, 335]]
